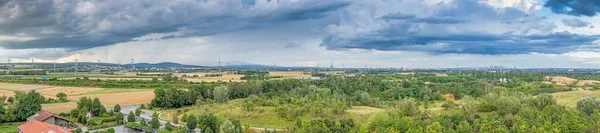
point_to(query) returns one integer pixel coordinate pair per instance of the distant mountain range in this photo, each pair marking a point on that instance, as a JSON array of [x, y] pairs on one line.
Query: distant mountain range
[[160, 65], [163, 65]]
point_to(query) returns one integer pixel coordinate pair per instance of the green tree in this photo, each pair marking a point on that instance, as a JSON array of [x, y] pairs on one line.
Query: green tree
[[2, 113], [227, 127], [415, 130], [119, 118], [208, 122], [155, 114], [117, 108], [191, 123], [365, 98], [97, 107], [131, 117], [10, 100], [435, 127], [519, 125], [588, 105], [155, 123], [143, 123], [61, 96], [221, 94], [544, 100], [138, 112], [184, 118], [464, 127], [168, 126], [248, 105], [27, 104]]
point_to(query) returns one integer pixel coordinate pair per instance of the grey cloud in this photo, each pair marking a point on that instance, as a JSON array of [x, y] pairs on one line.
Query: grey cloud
[[76, 25], [575, 23], [555, 43], [291, 45], [519, 31]]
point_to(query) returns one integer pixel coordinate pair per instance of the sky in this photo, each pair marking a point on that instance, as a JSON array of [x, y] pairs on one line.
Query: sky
[[349, 33]]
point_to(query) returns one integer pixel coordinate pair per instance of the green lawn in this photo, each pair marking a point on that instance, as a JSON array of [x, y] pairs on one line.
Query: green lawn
[[9, 127]]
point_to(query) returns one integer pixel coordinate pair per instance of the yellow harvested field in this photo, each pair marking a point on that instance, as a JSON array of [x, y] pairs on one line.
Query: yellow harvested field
[[67, 90], [21, 87], [59, 107], [289, 74], [116, 78], [123, 99], [7, 93]]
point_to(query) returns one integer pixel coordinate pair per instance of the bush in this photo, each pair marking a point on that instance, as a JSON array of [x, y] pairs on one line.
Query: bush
[[588, 105], [449, 104]]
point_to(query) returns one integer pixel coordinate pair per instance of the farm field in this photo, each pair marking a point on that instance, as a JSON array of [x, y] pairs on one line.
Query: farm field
[[6, 93], [289, 74], [67, 90], [225, 78], [570, 98], [109, 97], [124, 98], [21, 87], [81, 74], [112, 78]]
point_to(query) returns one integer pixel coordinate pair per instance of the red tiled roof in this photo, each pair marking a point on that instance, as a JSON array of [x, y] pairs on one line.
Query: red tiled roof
[[35, 126], [43, 115]]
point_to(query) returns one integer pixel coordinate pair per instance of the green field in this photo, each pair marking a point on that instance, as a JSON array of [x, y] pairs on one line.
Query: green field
[[570, 98], [9, 127]]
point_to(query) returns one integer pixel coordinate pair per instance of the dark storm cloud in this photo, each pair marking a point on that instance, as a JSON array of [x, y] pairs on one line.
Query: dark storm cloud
[[575, 23], [574, 7], [77, 24], [555, 43], [458, 27]]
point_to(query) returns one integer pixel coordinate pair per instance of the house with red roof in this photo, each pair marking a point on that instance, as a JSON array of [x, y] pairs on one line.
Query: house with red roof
[[50, 118], [35, 126]]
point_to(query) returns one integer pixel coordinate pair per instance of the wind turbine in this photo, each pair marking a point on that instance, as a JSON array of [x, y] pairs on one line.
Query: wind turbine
[[54, 65], [9, 65], [219, 62], [76, 64], [132, 65]]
